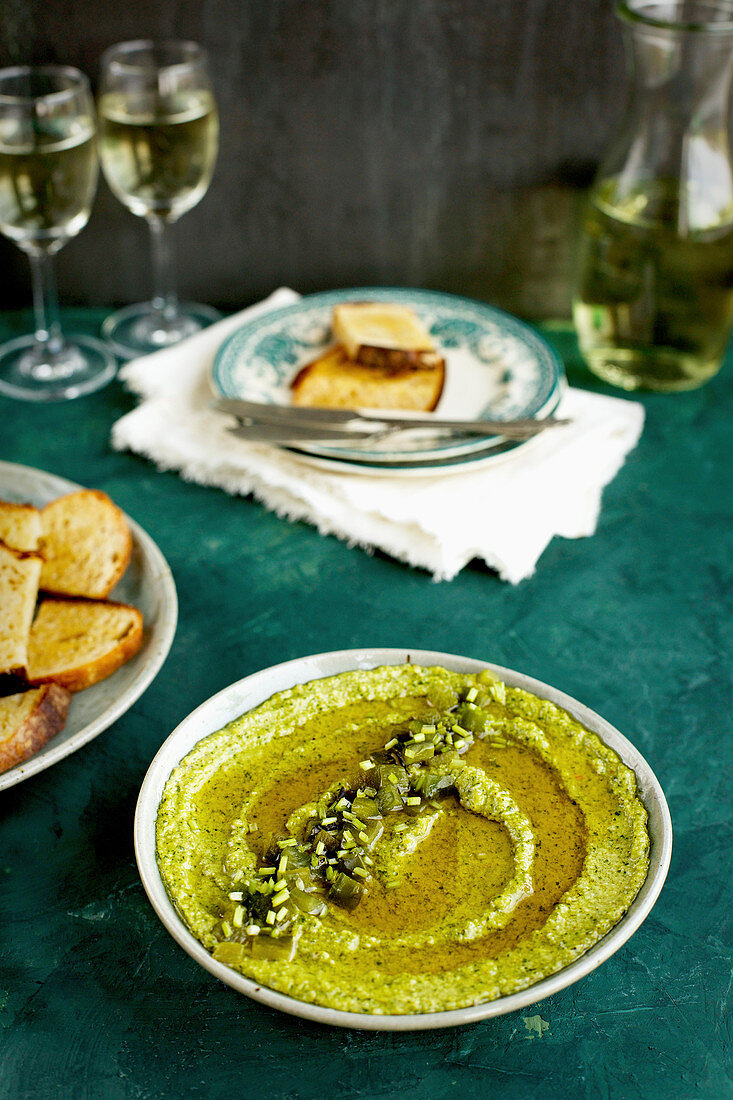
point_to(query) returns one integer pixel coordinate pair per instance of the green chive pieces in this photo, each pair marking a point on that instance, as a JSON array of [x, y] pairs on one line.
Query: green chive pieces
[[331, 861]]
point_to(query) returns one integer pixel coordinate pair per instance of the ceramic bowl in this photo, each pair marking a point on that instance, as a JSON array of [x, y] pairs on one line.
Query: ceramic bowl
[[253, 690]]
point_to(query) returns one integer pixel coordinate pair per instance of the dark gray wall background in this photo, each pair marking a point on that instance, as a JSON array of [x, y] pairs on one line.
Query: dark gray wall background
[[437, 143]]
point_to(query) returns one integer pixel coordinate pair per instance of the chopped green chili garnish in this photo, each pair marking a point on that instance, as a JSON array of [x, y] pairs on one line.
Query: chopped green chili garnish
[[331, 860]]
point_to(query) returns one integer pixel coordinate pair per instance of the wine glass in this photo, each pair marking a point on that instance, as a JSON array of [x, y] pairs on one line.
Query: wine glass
[[48, 178], [158, 140]]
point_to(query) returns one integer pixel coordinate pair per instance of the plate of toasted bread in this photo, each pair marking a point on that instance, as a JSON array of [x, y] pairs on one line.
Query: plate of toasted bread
[[424, 352], [88, 612]]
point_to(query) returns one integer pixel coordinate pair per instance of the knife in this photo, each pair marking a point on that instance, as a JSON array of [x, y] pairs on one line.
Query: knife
[[348, 421], [298, 433]]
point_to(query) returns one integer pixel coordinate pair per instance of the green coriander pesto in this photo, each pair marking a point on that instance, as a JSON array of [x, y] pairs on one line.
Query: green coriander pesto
[[401, 840]]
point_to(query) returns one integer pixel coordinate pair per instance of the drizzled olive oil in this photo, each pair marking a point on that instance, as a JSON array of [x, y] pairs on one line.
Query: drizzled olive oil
[[654, 303]]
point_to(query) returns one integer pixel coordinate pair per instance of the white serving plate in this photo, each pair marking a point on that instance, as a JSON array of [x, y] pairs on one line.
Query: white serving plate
[[253, 690], [147, 584]]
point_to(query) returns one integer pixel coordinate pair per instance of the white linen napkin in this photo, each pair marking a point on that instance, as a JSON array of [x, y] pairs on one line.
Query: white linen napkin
[[505, 512]]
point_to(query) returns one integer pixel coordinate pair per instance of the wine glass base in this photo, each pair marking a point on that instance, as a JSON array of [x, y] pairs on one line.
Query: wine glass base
[[28, 373], [141, 329]]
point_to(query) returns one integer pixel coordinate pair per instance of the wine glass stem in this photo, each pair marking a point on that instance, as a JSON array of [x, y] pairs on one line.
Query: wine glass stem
[[165, 298], [46, 304]]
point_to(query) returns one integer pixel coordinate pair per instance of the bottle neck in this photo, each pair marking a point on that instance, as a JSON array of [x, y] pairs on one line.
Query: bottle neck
[[674, 139], [684, 77]]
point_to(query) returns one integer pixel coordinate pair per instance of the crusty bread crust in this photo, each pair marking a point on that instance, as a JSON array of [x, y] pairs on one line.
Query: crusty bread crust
[[63, 649], [86, 545], [38, 720]]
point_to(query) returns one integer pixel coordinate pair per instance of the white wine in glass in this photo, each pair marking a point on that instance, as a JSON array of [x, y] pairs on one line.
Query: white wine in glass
[[48, 179], [159, 134]]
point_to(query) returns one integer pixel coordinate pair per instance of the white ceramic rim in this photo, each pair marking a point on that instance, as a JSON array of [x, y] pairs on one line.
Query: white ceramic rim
[[161, 639], [255, 689]]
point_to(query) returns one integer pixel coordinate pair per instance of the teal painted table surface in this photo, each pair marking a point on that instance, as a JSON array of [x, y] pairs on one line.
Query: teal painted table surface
[[97, 1000]]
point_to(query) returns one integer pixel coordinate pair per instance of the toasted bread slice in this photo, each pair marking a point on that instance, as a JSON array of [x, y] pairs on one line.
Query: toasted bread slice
[[20, 526], [382, 335], [76, 643], [335, 381], [86, 545], [28, 720], [20, 571]]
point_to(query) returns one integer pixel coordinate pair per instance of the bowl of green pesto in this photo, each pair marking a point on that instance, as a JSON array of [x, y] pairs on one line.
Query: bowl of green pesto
[[399, 839]]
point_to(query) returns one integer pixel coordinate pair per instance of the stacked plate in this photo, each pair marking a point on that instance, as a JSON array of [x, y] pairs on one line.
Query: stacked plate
[[497, 368]]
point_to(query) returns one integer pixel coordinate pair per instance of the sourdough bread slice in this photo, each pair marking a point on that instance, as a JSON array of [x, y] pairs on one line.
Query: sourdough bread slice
[[335, 381], [28, 720], [86, 545], [76, 643], [20, 571], [20, 526]]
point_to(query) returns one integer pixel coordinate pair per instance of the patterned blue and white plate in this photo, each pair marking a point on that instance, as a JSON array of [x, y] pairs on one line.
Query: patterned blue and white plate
[[497, 368]]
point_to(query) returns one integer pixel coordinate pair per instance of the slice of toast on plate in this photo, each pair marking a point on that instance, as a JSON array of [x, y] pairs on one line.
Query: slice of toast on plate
[[333, 380], [77, 642], [28, 720], [86, 545]]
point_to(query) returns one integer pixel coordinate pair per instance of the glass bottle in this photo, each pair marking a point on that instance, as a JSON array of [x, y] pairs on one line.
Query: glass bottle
[[653, 305]]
